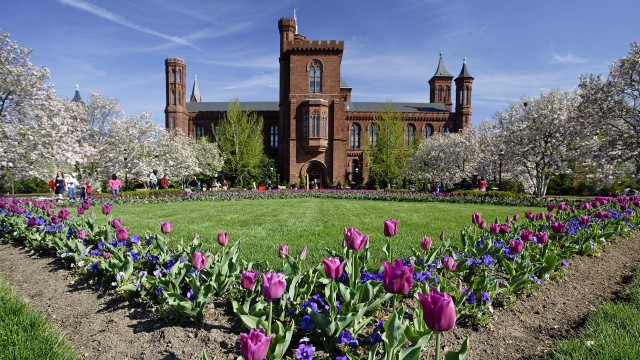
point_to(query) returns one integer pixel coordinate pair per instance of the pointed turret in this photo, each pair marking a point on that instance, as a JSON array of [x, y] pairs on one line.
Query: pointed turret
[[440, 85], [76, 96], [464, 73], [441, 70], [464, 86], [195, 92]]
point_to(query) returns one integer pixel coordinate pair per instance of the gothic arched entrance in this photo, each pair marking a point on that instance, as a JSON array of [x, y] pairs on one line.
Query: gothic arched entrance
[[314, 172]]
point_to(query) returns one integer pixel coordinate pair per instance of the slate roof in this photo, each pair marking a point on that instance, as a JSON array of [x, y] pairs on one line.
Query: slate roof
[[464, 73], [195, 92], [399, 107], [441, 70], [223, 106]]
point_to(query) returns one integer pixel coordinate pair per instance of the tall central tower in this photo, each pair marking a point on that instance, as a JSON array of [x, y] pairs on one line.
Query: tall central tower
[[176, 115]]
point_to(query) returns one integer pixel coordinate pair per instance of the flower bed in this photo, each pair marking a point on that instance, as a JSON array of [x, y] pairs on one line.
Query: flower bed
[[336, 306]]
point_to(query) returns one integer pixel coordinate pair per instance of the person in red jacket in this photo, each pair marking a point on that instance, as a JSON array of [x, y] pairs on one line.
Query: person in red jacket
[[164, 182]]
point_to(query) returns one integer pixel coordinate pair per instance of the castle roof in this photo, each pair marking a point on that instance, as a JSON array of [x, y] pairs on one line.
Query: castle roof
[[224, 106], [399, 107], [464, 73], [195, 92], [76, 96], [441, 70]]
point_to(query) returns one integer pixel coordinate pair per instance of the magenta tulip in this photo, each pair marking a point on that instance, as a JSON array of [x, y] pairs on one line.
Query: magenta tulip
[[85, 204], [273, 285], [106, 255], [82, 235], [223, 238], [283, 250], [482, 225], [303, 253], [584, 220], [450, 264], [80, 210], [354, 240], [550, 207], [116, 223], [166, 227], [494, 228], [106, 209], [526, 235], [397, 279], [255, 345], [542, 237], [122, 233], [529, 215], [425, 244], [248, 279], [558, 227], [516, 246], [602, 214], [333, 267], [199, 262], [549, 216], [438, 310], [516, 217], [64, 214], [504, 229], [55, 220], [32, 222], [476, 218], [391, 227]]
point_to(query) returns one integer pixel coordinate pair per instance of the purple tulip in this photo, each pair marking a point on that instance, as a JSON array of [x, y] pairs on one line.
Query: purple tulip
[[585, 206], [494, 228], [106, 209], [539, 216], [166, 227], [85, 204], [450, 264], [82, 235], [526, 235], [199, 262], [64, 214], [354, 240], [516, 246], [223, 238], [255, 345], [116, 223], [482, 225], [584, 220], [32, 222], [122, 233], [438, 310], [425, 244], [550, 207], [504, 228], [516, 217], [391, 227], [333, 267], [542, 237], [558, 227], [55, 220], [603, 214], [397, 279], [273, 285], [80, 210], [304, 253], [549, 216], [529, 215], [283, 250], [476, 218], [248, 279], [106, 255]]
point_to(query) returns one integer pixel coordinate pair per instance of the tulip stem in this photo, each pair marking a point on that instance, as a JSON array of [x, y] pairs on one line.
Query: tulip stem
[[438, 345], [270, 317], [395, 302]]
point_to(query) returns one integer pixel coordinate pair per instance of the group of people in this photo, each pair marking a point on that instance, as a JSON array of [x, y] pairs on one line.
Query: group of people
[[68, 184], [154, 182]]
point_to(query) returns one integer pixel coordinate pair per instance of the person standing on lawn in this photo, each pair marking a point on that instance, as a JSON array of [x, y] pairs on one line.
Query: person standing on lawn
[[114, 185], [60, 184], [164, 182]]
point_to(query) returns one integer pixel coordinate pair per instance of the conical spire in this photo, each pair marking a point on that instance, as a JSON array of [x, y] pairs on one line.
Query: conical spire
[[76, 96], [441, 70], [195, 93], [464, 73]]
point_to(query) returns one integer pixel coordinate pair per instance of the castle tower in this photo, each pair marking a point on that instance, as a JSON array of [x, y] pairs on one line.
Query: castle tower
[[176, 116], [76, 96], [440, 86], [464, 84], [195, 92]]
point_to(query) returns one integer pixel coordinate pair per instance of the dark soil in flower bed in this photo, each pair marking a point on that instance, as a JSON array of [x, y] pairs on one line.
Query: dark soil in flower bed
[[101, 326]]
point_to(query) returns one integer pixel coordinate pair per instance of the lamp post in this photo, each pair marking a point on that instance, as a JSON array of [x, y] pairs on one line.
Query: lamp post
[[126, 174], [356, 177], [271, 178], [500, 155]]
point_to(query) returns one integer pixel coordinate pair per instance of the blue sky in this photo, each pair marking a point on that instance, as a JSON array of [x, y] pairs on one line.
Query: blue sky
[[514, 48]]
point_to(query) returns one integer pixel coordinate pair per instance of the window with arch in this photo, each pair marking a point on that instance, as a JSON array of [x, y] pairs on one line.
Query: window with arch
[[427, 131], [315, 124], [439, 93], [173, 75], [354, 136], [467, 96], [448, 94], [173, 97], [315, 77], [180, 76], [445, 129], [373, 134], [179, 97], [305, 126], [324, 125], [172, 123], [273, 136], [409, 135], [199, 131]]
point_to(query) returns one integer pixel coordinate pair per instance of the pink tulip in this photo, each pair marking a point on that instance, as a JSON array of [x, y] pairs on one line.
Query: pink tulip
[[516, 246], [122, 233], [248, 279], [106, 255], [516, 217], [283, 251], [397, 279], [449, 264], [304, 253], [542, 237], [55, 220], [82, 235], [333, 267], [526, 235], [116, 223], [438, 310], [391, 227], [558, 227], [354, 240], [476, 218], [106, 209], [80, 210], [504, 229], [273, 285], [584, 220], [529, 215], [85, 204], [482, 225], [425, 244], [494, 228], [166, 227], [255, 345], [64, 214], [199, 262], [223, 238]]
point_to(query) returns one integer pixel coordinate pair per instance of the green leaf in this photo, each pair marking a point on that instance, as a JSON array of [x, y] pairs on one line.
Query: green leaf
[[460, 354], [253, 322]]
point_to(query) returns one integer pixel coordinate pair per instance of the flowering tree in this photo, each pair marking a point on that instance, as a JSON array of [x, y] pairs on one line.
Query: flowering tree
[[208, 157]]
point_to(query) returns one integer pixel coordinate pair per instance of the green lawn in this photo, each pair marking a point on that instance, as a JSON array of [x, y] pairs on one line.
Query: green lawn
[[263, 225], [24, 333], [613, 332]]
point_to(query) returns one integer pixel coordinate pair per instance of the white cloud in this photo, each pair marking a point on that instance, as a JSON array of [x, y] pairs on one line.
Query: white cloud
[[569, 58]]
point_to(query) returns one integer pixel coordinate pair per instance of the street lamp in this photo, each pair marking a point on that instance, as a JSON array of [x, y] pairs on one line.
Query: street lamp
[[271, 179], [500, 155], [126, 174], [356, 177]]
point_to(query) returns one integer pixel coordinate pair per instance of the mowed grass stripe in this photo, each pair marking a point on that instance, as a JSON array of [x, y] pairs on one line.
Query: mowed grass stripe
[[264, 225]]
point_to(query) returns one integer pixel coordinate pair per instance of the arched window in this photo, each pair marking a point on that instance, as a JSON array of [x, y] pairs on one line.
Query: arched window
[[448, 96], [199, 131], [439, 93], [305, 126], [324, 125], [354, 136], [173, 97], [179, 97], [180, 76], [315, 124], [373, 134], [273, 136], [409, 135], [315, 77], [467, 96], [427, 131], [445, 129], [173, 75], [172, 123]]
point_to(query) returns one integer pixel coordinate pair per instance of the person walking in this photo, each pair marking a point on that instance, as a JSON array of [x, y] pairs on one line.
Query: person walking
[[153, 180], [114, 185], [71, 186], [60, 184]]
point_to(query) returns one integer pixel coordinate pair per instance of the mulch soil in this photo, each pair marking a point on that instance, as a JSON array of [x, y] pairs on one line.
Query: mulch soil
[[102, 326]]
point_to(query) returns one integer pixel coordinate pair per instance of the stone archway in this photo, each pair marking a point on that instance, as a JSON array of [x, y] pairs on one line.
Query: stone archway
[[314, 172]]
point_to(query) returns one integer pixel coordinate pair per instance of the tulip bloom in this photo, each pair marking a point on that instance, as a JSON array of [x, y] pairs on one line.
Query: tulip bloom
[[526, 235], [82, 235], [85, 204], [273, 285], [391, 227], [32, 222], [584, 220], [602, 214], [122, 233], [476, 218], [516, 246], [80, 210], [482, 225], [542, 238], [106, 255], [354, 240], [255, 345], [449, 264], [248, 279], [223, 238], [303, 253], [199, 262], [166, 227], [283, 251], [397, 279], [558, 227], [64, 214], [549, 216], [106, 209], [116, 223], [516, 217], [494, 228], [550, 207], [425, 244], [333, 267], [529, 215], [438, 310], [504, 229]]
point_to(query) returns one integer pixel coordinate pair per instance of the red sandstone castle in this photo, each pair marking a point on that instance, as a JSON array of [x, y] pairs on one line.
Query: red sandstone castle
[[315, 131]]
